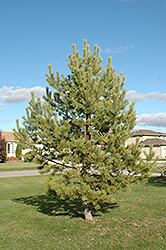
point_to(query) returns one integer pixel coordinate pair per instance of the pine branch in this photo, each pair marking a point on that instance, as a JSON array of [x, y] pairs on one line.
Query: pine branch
[[106, 137], [61, 164]]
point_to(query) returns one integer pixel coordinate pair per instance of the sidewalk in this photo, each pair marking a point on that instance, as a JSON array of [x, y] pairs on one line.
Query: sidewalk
[[36, 172], [19, 173]]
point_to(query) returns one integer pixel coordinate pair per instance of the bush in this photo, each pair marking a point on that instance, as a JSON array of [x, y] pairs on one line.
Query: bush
[[2, 148], [29, 156], [19, 151]]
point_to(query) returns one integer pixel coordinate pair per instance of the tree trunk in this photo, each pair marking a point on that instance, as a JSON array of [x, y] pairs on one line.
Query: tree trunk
[[87, 212]]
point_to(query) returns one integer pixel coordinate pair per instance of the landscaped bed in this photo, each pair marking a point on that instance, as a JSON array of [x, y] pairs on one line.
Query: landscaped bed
[[32, 220]]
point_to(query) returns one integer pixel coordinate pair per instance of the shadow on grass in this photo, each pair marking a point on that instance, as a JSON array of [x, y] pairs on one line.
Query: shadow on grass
[[156, 181], [57, 206]]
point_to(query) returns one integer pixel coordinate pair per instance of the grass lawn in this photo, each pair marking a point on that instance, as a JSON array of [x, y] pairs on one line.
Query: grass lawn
[[31, 220], [158, 169], [17, 166]]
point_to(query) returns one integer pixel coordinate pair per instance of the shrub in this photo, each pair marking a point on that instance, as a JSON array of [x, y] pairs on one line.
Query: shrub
[[19, 151], [2, 148]]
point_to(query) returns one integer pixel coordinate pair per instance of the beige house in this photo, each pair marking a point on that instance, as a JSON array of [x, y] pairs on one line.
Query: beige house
[[149, 137], [10, 143]]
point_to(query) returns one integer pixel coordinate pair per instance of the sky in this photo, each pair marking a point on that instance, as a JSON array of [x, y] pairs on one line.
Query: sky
[[35, 33]]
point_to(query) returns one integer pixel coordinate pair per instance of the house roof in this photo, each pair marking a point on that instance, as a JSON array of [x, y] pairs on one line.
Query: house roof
[[143, 132], [9, 136], [154, 142]]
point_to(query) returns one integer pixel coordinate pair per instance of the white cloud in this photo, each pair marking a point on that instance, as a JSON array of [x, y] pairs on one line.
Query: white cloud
[[2, 106], [11, 95], [107, 50], [5, 121], [134, 96], [118, 50], [156, 120]]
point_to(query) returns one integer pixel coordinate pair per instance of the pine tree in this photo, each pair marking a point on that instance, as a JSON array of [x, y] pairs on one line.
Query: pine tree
[[81, 127], [2, 148]]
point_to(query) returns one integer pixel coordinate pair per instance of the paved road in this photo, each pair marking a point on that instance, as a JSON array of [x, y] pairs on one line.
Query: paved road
[[35, 172]]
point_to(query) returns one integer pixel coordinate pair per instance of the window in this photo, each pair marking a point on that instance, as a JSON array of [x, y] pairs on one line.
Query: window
[[8, 148]]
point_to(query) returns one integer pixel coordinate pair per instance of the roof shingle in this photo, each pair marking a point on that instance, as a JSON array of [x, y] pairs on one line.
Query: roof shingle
[[144, 132], [154, 142], [9, 136]]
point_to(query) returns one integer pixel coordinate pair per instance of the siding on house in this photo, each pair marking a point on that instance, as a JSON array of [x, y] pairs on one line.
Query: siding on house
[[10, 143], [149, 137]]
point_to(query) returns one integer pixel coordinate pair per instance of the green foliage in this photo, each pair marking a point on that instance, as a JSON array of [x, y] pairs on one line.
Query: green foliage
[[29, 156], [2, 148], [81, 127], [19, 151]]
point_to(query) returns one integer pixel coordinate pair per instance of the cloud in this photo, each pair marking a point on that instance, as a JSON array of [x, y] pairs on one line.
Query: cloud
[[132, 95], [2, 106], [107, 51], [5, 121], [118, 50], [11, 95], [156, 120]]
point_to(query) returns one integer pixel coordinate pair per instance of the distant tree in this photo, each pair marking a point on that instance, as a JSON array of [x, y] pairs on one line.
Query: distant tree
[[81, 127], [2, 148]]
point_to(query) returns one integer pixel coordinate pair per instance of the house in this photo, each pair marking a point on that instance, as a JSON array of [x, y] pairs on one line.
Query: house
[[146, 137], [10, 143], [149, 137]]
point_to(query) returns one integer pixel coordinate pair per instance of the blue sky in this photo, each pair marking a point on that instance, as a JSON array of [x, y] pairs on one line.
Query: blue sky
[[35, 33]]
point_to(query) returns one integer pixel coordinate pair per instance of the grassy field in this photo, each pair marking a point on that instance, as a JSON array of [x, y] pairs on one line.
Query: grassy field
[[17, 166], [31, 220]]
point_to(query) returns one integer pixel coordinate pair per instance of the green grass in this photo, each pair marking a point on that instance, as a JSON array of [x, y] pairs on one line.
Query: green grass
[[17, 166], [158, 169], [31, 220]]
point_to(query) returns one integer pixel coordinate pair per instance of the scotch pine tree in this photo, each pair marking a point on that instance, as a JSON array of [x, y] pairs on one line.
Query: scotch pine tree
[[81, 127], [2, 148]]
